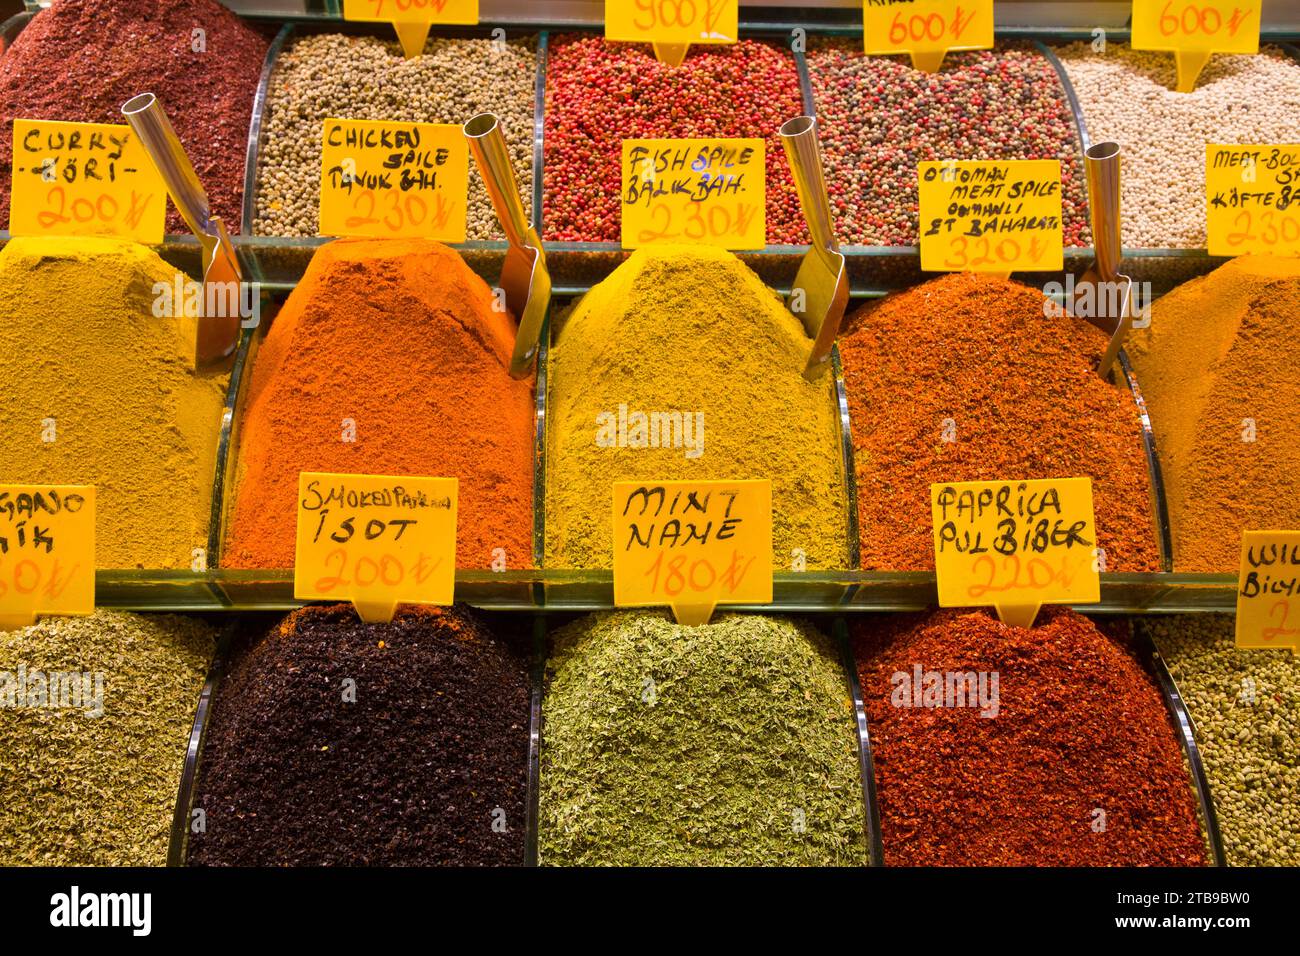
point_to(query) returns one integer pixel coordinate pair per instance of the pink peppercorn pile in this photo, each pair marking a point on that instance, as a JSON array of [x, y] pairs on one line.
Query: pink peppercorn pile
[[599, 94]]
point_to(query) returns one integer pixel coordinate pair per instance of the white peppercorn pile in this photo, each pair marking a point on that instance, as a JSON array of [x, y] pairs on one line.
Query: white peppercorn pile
[[1246, 707], [334, 75], [1129, 96]]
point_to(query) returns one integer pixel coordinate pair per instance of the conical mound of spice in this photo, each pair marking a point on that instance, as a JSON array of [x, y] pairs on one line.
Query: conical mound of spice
[[335, 742], [1220, 370], [96, 389], [1000, 746], [683, 365], [965, 378], [387, 359], [729, 744]]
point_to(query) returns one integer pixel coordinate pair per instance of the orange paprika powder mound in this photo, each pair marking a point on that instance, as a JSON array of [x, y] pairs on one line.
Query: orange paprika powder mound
[[387, 359]]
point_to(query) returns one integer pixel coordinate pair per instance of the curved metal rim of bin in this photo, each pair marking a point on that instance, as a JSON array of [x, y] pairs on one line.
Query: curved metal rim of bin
[[866, 764], [537, 678], [256, 129], [1159, 499], [539, 455], [225, 450]]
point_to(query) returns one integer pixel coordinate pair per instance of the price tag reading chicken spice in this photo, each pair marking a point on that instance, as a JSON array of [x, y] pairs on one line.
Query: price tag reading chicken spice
[[692, 545], [1015, 545], [390, 180], [996, 216], [411, 18], [1252, 199], [1194, 29], [84, 179], [1268, 590], [708, 191], [926, 29], [376, 541], [47, 552]]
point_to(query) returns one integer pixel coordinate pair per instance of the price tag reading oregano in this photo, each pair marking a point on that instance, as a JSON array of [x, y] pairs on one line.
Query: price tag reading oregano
[[1195, 29], [1252, 199], [1268, 590], [692, 545], [47, 552], [412, 18], [926, 29]]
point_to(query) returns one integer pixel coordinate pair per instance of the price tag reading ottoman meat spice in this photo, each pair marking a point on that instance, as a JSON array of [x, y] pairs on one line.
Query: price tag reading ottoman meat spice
[[926, 29], [375, 540], [411, 18], [1194, 29], [1268, 590], [1252, 199], [47, 552], [692, 545], [1016, 545]]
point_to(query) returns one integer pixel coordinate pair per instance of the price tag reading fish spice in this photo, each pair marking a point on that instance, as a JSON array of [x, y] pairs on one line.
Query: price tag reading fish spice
[[926, 29], [47, 552], [388, 180], [1194, 29], [84, 179], [707, 191], [672, 21], [1252, 199], [997, 216], [1015, 545], [1268, 590], [412, 18], [376, 541], [692, 545]]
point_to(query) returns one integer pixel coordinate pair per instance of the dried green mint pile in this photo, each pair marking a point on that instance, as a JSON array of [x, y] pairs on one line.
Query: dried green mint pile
[[729, 744], [85, 785]]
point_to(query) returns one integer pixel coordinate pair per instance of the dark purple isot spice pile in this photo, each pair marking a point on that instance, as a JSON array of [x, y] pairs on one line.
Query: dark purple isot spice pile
[[335, 742]]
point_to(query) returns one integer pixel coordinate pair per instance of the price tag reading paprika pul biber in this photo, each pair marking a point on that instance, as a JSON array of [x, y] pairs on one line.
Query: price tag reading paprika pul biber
[[926, 29], [709, 191], [692, 545], [1252, 199], [1015, 545], [47, 552], [997, 216], [376, 541], [1194, 29], [411, 18], [1268, 590], [84, 179], [388, 180]]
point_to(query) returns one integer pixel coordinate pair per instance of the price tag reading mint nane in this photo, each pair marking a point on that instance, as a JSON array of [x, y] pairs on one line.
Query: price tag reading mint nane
[[692, 545], [672, 21], [1194, 29], [386, 180], [1252, 199], [411, 18], [926, 29], [375, 540], [709, 191], [47, 552], [991, 216], [1015, 545], [1268, 590]]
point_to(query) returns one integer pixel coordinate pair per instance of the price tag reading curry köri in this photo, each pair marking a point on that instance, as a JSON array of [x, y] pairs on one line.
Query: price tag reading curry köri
[[412, 18], [375, 540], [1252, 199], [672, 22], [692, 545], [1268, 590], [997, 216], [84, 179], [1194, 29], [708, 191], [47, 552], [926, 29], [388, 180], [1015, 545]]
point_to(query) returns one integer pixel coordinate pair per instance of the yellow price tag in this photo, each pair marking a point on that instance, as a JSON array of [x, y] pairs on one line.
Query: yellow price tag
[[1015, 545], [692, 545], [672, 21], [47, 552], [84, 179], [411, 18], [388, 180], [708, 191], [1194, 29], [1268, 590], [1252, 199], [998, 216], [375, 540], [926, 29]]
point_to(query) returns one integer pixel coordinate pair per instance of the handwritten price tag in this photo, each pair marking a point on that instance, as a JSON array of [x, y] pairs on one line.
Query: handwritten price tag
[[84, 179], [672, 21], [1194, 29], [692, 545], [991, 216], [386, 180], [47, 552], [411, 18], [926, 29], [377, 541], [1268, 591], [709, 191], [1016, 545], [1252, 199]]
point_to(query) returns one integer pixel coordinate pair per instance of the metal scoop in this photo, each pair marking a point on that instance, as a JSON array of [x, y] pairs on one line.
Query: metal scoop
[[524, 277], [820, 293], [1111, 308], [217, 334]]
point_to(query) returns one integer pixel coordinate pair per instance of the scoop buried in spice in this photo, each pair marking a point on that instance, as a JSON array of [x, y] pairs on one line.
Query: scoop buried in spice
[[1104, 297]]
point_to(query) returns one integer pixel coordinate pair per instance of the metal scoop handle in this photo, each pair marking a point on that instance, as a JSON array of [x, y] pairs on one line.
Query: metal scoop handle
[[150, 122], [1101, 165], [489, 146], [799, 137]]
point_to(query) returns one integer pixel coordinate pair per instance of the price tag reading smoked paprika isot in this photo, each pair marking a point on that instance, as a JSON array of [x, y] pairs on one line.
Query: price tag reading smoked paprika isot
[[412, 18], [1252, 199], [1015, 545], [47, 552], [1268, 590], [692, 545], [375, 540], [390, 180], [1194, 29], [926, 29]]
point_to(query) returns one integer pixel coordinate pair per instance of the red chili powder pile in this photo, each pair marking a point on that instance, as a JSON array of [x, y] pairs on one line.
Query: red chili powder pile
[[387, 359], [965, 379], [1078, 764]]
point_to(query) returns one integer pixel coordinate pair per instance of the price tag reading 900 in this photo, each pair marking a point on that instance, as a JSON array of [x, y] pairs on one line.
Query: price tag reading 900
[[1252, 202], [672, 21]]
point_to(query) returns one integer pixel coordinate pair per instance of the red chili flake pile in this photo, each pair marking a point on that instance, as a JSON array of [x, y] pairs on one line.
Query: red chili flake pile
[[1078, 764], [600, 93]]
